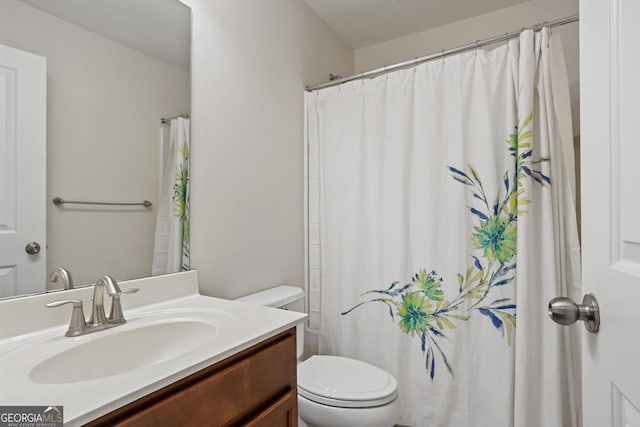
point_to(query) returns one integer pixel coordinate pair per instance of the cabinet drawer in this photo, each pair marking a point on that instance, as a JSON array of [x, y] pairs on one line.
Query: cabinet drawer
[[283, 413], [226, 394]]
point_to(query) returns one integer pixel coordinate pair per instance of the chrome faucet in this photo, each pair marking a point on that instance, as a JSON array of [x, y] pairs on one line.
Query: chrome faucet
[[63, 275], [98, 315], [98, 319]]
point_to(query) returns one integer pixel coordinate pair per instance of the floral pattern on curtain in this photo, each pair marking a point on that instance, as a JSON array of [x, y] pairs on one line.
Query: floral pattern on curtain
[[181, 200], [171, 249], [421, 305]]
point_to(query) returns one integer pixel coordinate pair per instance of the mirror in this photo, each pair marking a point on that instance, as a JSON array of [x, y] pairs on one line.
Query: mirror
[[114, 68]]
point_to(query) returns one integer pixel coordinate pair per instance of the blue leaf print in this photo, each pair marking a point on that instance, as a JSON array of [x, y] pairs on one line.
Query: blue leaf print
[[477, 196], [373, 300], [437, 332], [497, 323], [478, 213], [503, 282], [354, 307], [458, 172], [505, 307], [477, 263], [389, 292], [462, 181], [393, 285], [537, 173], [390, 308], [433, 365], [510, 267]]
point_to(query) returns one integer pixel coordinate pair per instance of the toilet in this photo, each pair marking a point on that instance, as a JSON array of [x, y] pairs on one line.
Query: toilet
[[334, 391]]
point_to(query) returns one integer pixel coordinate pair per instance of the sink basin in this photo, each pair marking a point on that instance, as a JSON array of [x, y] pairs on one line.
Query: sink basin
[[122, 350]]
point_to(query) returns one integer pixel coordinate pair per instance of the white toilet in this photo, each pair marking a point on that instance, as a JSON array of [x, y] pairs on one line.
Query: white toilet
[[334, 391]]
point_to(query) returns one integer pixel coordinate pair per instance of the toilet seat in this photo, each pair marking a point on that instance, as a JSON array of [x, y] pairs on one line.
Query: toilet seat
[[345, 383]]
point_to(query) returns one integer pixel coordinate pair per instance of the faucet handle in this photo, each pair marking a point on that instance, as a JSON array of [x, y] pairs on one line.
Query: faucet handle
[[115, 315], [77, 325]]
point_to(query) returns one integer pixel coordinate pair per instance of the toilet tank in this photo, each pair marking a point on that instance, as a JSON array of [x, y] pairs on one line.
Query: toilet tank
[[283, 297]]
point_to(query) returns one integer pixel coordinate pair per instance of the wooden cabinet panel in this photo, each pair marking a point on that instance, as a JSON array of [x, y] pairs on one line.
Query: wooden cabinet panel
[[283, 413], [258, 381]]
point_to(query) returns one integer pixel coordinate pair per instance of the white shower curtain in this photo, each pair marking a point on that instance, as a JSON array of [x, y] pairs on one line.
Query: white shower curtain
[[171, 249], [446, 209]]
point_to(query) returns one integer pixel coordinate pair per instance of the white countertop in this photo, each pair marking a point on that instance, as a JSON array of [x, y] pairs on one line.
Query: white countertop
[[25, 341]]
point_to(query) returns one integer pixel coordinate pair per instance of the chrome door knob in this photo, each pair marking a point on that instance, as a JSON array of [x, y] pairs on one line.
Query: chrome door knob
[[32, 248], [566, 312]]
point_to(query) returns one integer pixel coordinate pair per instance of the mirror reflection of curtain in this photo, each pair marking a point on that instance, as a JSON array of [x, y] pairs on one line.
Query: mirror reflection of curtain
[[171, 248]]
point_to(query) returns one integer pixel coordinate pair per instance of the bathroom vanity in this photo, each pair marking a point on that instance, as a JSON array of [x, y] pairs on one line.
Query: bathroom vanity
[[256, 387], [181, 359]]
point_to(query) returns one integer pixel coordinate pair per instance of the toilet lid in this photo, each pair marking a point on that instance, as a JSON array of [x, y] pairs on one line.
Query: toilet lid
[[345, 383]]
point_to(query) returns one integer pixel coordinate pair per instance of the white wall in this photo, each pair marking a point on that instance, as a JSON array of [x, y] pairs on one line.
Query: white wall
[[480, 27], [104, 103], [251, 61]]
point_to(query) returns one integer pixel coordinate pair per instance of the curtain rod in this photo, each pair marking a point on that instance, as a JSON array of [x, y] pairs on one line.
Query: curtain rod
[[166, 120], [444, 53]]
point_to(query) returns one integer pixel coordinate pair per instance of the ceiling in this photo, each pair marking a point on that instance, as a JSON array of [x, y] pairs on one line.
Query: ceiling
[[161, 28], [364, 22], [158, 28]]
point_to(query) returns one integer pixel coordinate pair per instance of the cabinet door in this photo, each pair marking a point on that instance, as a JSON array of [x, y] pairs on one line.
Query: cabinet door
[[283, 413], [228, 396]]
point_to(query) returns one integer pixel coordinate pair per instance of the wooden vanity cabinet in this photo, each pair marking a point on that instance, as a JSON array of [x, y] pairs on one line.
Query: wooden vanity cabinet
[[256, 387]]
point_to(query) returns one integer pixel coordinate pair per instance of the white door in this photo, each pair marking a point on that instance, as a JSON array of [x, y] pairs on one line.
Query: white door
[[610, 146], [23, 79]]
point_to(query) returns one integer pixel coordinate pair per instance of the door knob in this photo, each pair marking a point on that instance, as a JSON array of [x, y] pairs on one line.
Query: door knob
[[566, 312], [32, 248]]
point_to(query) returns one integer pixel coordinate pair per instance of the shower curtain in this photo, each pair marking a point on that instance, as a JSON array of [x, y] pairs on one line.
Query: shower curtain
[[444, 196], [171, 249]]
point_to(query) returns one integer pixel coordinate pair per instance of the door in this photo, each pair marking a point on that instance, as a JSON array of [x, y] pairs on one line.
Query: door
[[22, 172], [610, 146]]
